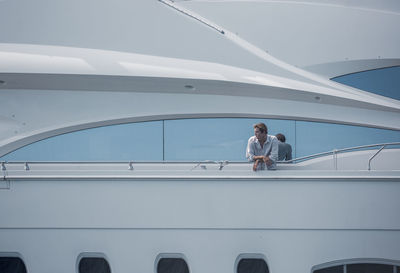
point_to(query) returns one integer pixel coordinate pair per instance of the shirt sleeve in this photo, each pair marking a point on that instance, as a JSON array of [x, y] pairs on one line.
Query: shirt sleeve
[[250, 150], [274, 150]]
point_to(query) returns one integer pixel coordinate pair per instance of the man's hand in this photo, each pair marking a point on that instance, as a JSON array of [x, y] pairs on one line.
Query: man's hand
[[267, 161], [259, 159], [255, 165]]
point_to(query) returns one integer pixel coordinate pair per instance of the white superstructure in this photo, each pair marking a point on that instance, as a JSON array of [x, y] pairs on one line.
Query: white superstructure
[[73, 65]]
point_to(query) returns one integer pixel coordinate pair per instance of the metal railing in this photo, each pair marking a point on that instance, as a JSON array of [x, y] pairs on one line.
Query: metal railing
[[335, 152], [201, 164]]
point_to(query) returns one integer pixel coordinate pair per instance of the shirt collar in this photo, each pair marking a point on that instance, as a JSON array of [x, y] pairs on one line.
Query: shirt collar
[[266, 141]]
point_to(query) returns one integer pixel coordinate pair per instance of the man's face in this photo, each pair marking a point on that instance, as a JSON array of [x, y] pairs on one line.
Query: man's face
[[260, 135]]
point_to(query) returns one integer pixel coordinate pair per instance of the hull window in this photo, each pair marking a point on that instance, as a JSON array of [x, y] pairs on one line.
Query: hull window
[[172, 265], [94, 265], [332, 269], [12, 265], [369, 268], [252, 266], [356, 266]]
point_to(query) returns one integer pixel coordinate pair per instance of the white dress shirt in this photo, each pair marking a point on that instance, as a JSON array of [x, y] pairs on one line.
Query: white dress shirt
[[269, 149]]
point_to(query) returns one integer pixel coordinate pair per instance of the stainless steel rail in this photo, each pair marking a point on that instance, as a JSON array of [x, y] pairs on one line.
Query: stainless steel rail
[[337, 151], [372, 157], [222, 163]]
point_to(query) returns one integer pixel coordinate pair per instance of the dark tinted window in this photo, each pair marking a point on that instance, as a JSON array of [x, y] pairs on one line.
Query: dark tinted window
[[12, 265], [172, 265], [332, 269], [384, 81], [252, 266], [94, 265], [369, 268]]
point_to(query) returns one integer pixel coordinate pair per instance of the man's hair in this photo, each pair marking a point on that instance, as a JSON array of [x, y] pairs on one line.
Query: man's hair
[[261, 126], [281, 137]]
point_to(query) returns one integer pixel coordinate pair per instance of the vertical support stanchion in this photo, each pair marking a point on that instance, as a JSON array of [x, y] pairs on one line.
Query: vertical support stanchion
[[335, 159], [369, 161]]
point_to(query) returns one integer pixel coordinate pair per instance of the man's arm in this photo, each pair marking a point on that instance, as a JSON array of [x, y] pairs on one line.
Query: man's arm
[[274, 150], [250, 153]]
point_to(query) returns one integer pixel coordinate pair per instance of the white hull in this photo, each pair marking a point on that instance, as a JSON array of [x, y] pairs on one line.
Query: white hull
[[205, 250], [67, 66], [294, 219]]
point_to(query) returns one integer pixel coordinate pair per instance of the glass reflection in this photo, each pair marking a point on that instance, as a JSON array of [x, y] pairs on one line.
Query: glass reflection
[[315, 137], [384, 81], [216, 139], [194, 140], [134, 141]]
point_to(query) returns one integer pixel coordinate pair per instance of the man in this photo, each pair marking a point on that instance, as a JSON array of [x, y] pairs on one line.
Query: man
[[285, 149], [262, 148]]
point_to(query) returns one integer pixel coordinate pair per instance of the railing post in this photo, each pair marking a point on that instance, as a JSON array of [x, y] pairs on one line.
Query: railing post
[[372, 157], [335, 151], [222, 164]]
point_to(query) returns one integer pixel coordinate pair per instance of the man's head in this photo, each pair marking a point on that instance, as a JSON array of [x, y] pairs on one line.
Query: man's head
[[260, 131], [281, 137]]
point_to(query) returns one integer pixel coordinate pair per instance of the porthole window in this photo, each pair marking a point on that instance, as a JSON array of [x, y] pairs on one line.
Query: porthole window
[[94, 265], [172, 265], [12, 265], [252, 265], [332, 269], [369, 268], [359, 266]]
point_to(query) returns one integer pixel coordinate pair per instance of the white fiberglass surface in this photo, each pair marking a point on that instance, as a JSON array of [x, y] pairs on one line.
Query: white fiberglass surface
[[212, 138]]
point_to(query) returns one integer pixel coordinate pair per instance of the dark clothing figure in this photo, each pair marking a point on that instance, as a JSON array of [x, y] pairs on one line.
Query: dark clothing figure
[[285, 150]]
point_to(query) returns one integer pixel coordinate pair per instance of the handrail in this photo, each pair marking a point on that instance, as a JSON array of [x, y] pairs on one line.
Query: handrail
[[372, 157], [221, 163], [337, 151]]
